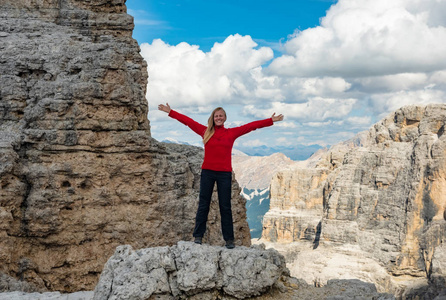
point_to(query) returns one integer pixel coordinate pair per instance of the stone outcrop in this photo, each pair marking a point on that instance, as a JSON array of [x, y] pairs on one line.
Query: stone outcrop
[[79, 172], [382, 194], [191, 271]]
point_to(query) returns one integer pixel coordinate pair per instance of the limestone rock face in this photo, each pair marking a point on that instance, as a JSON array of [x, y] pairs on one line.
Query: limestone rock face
[[187, 270], [385, 192], [288, 219], [79, 172]]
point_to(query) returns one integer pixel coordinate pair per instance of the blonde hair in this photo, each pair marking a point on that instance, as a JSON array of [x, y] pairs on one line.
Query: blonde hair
[[210, 130]]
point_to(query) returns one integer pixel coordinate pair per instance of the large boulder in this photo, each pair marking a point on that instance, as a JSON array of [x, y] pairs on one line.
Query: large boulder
[[189, 269]]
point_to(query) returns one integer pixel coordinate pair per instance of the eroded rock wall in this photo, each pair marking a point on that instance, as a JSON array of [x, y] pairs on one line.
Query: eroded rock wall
[[79, 172], [386, 194], [296, 205], [297, 195], [394, 190]]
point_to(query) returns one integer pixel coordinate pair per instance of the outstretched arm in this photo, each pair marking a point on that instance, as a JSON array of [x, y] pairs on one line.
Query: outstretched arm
[[195, 126], [244, 129], [277, 118]]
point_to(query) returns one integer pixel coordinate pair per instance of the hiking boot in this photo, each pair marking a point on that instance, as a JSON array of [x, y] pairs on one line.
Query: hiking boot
[[198, 240], [230, 244]]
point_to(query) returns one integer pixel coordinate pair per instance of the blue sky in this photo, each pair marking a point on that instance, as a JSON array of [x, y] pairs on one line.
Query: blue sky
[[206, 22], [333, 68]]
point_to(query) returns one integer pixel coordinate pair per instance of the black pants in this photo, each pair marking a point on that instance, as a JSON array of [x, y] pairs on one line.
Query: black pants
[[224, 182]]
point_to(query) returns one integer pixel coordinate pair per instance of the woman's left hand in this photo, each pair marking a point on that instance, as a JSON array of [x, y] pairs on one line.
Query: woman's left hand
[[277, 118]]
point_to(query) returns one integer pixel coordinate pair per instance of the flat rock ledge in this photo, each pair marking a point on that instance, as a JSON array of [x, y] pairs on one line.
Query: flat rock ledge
[[189, 270]]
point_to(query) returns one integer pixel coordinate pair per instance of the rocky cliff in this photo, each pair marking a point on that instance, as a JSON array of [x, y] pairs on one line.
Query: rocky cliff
[[79, 172], [378, 199]]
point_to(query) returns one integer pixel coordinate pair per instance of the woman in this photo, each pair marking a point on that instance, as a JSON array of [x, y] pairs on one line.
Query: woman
[[217, 166]]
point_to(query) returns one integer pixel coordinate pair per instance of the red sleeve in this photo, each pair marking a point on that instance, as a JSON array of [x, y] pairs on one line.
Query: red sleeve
[[195, 126], [244, 129]]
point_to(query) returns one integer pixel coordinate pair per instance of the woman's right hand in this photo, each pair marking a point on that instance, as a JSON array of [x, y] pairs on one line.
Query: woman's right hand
[[166, 108]]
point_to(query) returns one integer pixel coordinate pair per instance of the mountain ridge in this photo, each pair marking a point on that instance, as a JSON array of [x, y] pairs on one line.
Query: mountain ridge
[[375, 201]]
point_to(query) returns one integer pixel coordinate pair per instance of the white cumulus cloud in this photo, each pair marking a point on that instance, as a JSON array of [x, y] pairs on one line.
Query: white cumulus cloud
[[384, 103], [316, 109], [363, 37], [183, 75], [366, 59]]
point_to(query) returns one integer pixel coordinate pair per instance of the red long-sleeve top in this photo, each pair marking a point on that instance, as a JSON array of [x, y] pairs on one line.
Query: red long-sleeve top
[[218, 150]]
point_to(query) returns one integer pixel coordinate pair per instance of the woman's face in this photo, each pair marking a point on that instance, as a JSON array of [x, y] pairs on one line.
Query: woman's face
[[219, 118]]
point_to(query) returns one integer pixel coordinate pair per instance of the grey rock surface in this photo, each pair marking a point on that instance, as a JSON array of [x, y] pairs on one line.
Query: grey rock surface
[[188, 269], [292, 289], [355, 290]]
